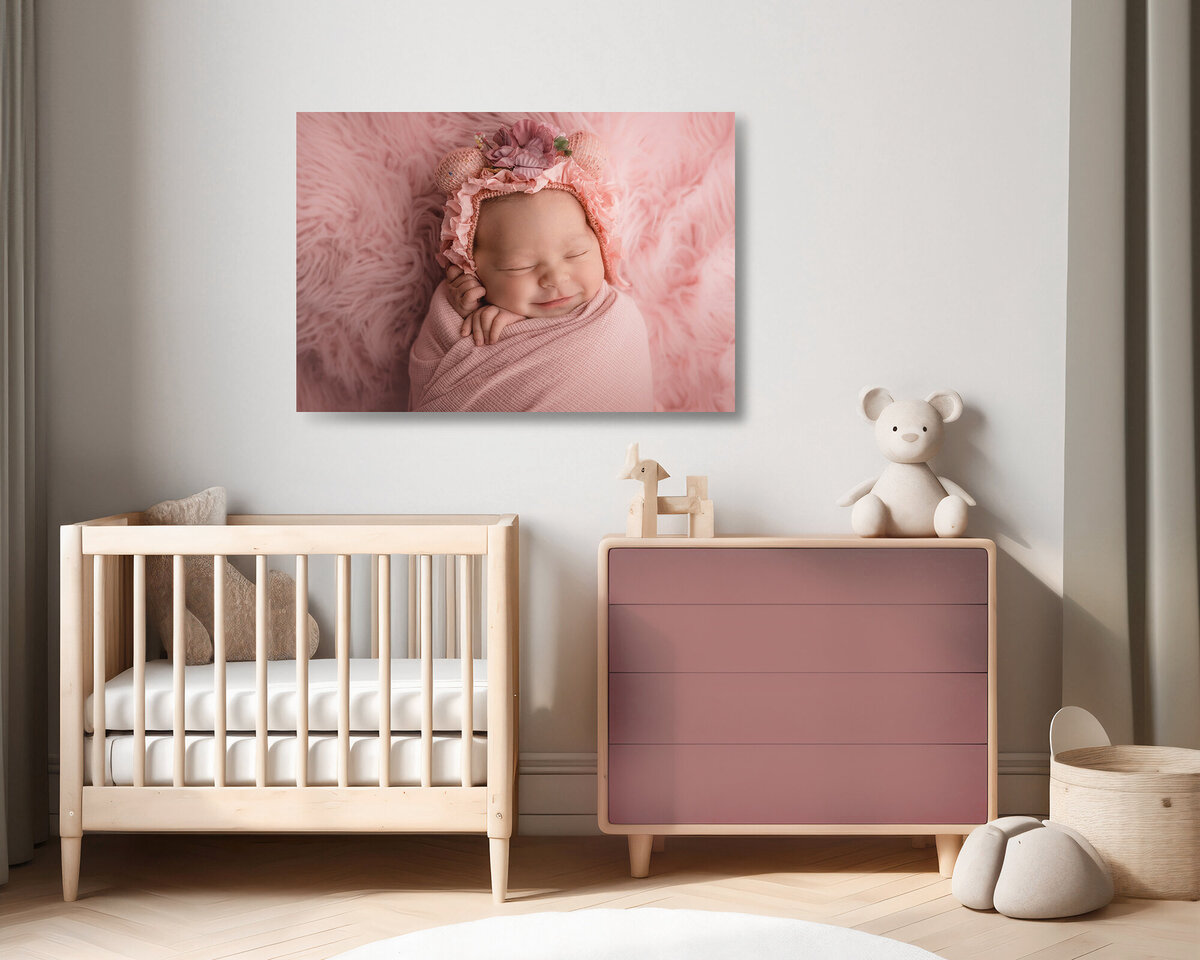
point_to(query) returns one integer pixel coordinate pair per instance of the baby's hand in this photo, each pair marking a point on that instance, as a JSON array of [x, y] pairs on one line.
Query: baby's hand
[[487, 323], [466, 293]]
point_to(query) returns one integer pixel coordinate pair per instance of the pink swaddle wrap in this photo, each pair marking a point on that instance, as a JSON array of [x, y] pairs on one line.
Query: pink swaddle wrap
[[594, 359]]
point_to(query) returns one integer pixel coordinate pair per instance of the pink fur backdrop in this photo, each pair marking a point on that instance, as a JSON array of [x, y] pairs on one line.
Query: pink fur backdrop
[[367, 221]]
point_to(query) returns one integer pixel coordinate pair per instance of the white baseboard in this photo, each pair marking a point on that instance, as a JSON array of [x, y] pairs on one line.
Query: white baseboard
[[557, 791], [559, 825], [557, 794], [1024, 784]]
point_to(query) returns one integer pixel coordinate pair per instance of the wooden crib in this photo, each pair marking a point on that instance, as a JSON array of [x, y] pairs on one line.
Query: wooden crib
[[103, 639]]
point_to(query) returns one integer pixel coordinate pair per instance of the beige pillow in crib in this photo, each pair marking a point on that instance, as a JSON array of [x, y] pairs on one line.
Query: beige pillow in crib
[[205, 507], [208, 507]]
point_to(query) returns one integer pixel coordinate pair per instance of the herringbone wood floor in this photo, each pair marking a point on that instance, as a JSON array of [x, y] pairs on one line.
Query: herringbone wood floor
[[203, 897]]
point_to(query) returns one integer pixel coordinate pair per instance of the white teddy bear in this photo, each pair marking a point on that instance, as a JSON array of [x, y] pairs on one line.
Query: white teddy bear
[[908, 499]]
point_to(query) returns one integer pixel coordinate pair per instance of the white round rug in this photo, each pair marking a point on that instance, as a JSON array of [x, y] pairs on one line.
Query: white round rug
[[644, 933]]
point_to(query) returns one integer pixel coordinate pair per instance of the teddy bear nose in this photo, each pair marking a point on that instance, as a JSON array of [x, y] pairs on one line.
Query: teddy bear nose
[[910, 437]]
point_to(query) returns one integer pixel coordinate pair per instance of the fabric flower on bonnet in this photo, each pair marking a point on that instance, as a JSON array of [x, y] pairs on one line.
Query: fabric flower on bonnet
[[526, 148], [526, 158]]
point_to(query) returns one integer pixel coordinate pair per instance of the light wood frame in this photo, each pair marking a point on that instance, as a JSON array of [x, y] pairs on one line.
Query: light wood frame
[[642, 837], [102, 631]]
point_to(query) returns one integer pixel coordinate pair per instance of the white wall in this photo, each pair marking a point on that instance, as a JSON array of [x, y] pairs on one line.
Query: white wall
[[902, 200]]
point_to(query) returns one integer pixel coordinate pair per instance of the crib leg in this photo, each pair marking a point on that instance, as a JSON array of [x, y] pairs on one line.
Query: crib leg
[[499, 854], [71, 847]]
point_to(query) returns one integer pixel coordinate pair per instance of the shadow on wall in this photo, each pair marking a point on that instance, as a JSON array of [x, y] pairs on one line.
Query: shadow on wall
[[1029, 613], [965, 462], [1029, 682], [558, 643], [1114, 711]]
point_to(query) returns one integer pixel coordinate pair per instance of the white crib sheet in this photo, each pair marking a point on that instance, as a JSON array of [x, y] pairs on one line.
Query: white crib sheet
[[242, 700], [363, 770]]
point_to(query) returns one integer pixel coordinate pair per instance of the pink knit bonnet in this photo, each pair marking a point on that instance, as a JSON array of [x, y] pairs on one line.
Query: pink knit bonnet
[[525, 158]]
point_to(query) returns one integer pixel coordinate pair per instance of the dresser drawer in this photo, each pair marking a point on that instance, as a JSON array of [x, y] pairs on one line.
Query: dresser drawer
[[759, 708], [797, 784], [797, 575], [704, 638]]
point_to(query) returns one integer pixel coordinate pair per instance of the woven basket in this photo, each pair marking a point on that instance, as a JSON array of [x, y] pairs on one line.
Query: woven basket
[[1140, 808]]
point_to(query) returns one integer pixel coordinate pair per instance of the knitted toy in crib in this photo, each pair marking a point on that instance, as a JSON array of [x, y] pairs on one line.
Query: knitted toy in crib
[[908, 499], [208, 507]]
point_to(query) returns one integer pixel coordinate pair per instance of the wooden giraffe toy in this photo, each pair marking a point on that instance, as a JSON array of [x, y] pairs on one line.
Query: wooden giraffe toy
[[646, 506]]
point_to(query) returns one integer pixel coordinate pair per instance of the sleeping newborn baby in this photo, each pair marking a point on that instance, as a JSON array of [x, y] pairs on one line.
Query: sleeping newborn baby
[[528, 318], [535, 256]]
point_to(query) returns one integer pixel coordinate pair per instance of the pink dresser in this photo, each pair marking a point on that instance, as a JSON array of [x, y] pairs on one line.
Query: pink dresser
[[778, 685]]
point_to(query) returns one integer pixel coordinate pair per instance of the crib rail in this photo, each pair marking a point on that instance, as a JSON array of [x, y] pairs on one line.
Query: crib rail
[[261, 539], [104, 628]]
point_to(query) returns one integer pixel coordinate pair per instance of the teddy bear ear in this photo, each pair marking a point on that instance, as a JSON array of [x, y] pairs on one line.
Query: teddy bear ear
[[457, 167], [872, 401], [947, 403], [588, 151]]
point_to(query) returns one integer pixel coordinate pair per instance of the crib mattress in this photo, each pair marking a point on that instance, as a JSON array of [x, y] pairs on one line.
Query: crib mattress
[[363, 769], [242, 699]]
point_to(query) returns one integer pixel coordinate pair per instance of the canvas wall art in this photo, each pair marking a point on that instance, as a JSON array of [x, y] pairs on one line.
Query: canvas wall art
[[515, 262]]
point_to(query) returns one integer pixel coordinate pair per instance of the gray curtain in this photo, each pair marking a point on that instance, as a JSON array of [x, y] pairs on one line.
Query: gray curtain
[[23, 772], [1131, 587]]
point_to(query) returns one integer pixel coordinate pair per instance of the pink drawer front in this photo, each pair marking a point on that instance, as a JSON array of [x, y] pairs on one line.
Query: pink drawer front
[[757, 708], [656, 638], [797, 783], [797, 575]]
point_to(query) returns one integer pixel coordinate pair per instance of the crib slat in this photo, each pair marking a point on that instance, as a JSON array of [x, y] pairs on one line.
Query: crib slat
[[99, 734], [219, 739], [139, 670], [451, 602], [465, 597], [385, 669], [260, 669], [301, 670], [343, 665], [426, 670], [374, 605], [413, 618], [482, 622], [179, 653]]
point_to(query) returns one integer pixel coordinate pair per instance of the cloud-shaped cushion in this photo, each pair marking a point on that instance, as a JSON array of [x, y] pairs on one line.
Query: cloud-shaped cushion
[[208, 507], [1031, 870]]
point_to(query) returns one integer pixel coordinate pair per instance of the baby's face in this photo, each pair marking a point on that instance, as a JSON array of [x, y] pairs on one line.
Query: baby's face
[[536, 255]]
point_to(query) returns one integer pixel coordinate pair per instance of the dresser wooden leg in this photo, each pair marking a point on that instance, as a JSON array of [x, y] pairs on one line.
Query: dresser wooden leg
[[660, 843], [948, 845], [640, 845]]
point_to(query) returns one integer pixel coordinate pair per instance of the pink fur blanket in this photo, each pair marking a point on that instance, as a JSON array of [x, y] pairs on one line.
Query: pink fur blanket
[[367, 221], [596, 358]]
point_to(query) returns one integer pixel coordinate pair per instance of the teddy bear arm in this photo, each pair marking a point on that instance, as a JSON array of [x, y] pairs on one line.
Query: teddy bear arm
[[954, 490], [858, 492]]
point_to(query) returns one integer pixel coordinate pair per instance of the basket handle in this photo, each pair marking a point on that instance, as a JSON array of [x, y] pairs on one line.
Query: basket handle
[[1074, 728]]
